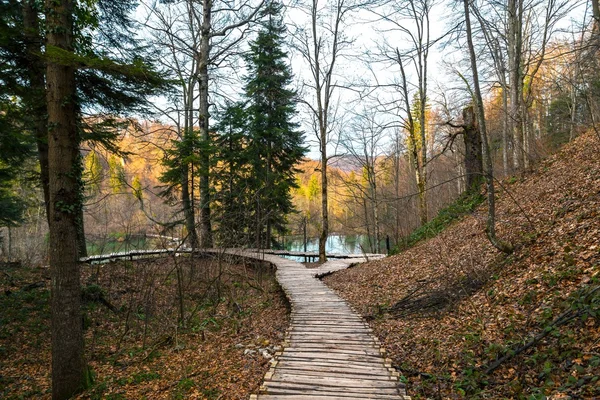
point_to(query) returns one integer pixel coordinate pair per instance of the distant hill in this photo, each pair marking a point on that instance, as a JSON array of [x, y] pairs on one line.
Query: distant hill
[[461, 320]]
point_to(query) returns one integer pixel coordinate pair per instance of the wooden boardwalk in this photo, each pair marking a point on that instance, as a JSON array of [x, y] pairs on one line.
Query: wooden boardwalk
[[329, 352]]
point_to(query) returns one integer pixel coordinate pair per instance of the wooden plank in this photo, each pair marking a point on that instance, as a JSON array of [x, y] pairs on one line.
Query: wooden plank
[[330, 351], [336, 396], [332, 382], [299, 388], [332, 372]]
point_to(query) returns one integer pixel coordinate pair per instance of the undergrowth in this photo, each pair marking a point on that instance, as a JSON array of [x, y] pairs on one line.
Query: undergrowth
[[464, 205]]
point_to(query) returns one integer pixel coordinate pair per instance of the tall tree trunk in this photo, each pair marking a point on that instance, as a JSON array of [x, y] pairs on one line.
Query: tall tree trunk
[[188, 208], [515, 44], [68, 364], [489, 169], [205, 220], [422, 178], [505, 128], [596, 15], [397, 189], [376, 215], [187, 178], [324, 202], [527, 129], [473, 151], [367, 222]]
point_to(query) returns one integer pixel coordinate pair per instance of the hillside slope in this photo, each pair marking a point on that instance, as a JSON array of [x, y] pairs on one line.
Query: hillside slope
[[449, 307]]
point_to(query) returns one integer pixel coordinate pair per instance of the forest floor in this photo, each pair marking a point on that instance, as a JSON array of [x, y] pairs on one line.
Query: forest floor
[[235, 319], [462, 320]]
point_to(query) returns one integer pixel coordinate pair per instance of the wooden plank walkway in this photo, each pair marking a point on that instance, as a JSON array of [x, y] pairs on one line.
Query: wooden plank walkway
[[329, 353]]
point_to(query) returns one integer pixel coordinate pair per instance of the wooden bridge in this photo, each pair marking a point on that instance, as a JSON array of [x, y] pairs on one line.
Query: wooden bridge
[[329, 352]]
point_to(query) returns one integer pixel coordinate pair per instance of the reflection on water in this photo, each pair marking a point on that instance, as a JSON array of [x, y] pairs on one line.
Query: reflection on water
[[340, 244]]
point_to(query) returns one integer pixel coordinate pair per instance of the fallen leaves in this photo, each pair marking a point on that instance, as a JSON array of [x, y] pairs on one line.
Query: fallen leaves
[[141, 351], [440, 353]]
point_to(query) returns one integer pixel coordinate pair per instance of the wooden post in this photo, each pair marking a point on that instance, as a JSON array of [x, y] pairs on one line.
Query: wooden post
[[304, 231], [387, 244]]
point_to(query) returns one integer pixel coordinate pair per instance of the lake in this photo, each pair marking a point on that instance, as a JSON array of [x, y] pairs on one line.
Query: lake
[[341, 244]]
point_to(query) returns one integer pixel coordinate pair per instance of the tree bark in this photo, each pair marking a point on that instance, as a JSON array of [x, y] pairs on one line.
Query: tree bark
[[489, 170], [505, 127], [324, 200], [188, 208], [473, 151], [515, 44], [596, 15], [187, 179], [417, 159], [205, 222], [376, 215], [68, 364]]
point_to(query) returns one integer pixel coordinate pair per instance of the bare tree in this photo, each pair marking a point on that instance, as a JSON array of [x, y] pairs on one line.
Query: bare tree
[[596, 15], [175, 30], [199, 41], [321, 43], [364, 141], [489, 171], [516, 36], [222, 27], [411, 20]]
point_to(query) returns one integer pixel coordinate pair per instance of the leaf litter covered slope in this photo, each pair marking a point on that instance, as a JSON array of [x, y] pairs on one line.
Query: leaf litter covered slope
[[449, 307], [139, 351]]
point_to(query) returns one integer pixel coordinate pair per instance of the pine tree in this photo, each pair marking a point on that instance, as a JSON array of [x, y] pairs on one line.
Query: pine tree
[[80, 56], [112, 74], [233, 178], [275, 143]]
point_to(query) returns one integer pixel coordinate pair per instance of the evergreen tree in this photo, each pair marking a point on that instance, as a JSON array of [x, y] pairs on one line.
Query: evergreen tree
[[180, 162], [233, 178], [112, 74], [80, 57], [275, 143], [259, 145]]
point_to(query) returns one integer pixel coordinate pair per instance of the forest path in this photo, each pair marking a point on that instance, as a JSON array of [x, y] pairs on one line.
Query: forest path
[[329, 353]]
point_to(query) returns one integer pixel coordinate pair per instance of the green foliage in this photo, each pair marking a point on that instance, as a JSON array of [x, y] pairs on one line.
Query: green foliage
[[259, 145], [16, 143], [113, 76], [464, 205]]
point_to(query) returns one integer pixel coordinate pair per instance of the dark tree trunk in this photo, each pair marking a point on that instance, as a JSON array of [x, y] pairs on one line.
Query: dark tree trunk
[[68, 364], [515, 47], [596, 15], [324, 202], [188, 208], [489, 170], [473, 151], [205, 220]]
